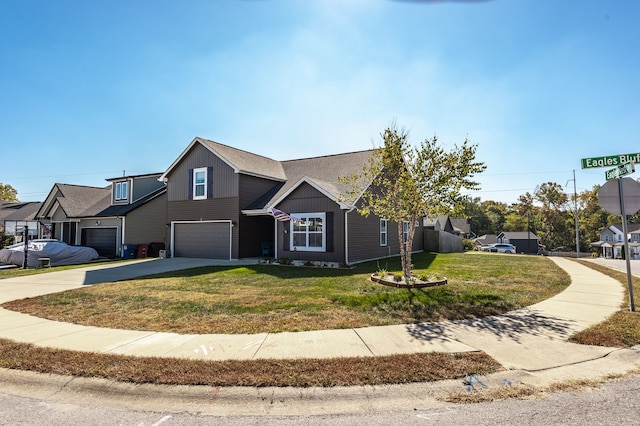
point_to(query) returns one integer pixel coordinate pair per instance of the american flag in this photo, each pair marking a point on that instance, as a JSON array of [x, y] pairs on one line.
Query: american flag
[[280, 215]]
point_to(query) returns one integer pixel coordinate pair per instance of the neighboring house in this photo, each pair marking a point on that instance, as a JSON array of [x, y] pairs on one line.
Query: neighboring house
[[131, 210], [440, 223], [611, 243], [220, 202], [444, 234], [485, 240], [524, 241], [454, 225], [15, 216]]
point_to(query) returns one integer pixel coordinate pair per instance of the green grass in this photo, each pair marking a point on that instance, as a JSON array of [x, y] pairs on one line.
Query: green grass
[[268, 298], [14, 272], [475, 280]]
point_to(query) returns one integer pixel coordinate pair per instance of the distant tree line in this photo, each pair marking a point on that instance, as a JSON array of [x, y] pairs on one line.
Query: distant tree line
[[549, 213]]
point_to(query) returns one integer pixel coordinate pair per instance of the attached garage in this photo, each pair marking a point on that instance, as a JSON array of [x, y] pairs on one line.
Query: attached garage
[[103, 240], [206, 239]]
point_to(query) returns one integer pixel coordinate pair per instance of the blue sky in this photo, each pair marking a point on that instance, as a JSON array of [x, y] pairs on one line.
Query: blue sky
[[89, 89]]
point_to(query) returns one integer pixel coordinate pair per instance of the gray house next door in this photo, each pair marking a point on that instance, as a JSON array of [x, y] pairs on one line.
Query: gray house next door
[[209, 240]]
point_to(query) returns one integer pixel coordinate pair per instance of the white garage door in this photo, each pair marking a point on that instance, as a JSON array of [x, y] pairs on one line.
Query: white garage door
[[209, 240]]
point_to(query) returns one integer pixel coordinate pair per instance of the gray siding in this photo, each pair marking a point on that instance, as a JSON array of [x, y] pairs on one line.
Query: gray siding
[[145, 185], [364, 238], [307, 199], [148, 223], [225, 180]]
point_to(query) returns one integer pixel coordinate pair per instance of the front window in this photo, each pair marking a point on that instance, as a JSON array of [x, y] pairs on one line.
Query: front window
[[121, 191], [383, 232], [308, 232], [405, 232], [200, 183]]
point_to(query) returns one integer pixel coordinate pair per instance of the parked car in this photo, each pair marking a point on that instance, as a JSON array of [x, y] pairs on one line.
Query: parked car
[[500, 248], [58, 253]]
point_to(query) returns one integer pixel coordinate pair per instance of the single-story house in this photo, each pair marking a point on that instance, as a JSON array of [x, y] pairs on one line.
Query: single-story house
[[611, 243], [130, 210], [15, 216], [485, 240], [223, 202], [525, 241]]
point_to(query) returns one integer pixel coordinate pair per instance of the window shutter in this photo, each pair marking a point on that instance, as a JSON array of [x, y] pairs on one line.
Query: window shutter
[[191, 184], [329, 235], [209, 182], [286, 226]]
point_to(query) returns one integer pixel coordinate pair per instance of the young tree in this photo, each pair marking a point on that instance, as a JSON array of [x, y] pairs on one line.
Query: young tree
[[406, 184], [8, 193]]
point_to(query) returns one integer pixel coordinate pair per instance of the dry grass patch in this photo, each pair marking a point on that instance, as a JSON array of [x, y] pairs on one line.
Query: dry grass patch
[[396, 369], [518, 391], [268, 298]]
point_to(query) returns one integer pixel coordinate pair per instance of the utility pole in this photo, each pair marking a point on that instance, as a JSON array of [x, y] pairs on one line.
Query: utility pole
[[575, 212]]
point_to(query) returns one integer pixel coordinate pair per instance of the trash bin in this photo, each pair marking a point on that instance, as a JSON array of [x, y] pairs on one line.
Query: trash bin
[[129, 251], [142, 250], [154, 249]]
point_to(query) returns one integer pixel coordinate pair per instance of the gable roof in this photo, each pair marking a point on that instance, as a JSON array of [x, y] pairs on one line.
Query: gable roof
[[519, 235], [122, 210], [76, 200], [631, 227], [240, 161], [19, 211], [486, 239], [461, 225], [322, 173]]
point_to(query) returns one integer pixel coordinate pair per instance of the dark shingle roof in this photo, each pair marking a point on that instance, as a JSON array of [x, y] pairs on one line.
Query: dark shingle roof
[[322, 172], [246, 162], [83, 201], [121, 210], [19, 211]]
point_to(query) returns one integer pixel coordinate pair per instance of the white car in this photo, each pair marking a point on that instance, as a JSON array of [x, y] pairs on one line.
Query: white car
[[500, 248], [58, 253]]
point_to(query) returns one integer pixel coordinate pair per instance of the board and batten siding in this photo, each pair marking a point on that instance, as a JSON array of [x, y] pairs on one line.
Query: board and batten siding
[[224, 179], [306, 199]]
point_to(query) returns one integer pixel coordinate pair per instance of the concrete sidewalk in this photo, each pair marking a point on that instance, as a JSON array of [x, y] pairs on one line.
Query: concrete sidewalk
[[528, 339]]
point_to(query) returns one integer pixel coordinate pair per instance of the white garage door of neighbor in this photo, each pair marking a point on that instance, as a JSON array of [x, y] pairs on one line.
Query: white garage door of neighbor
[[209, 240]]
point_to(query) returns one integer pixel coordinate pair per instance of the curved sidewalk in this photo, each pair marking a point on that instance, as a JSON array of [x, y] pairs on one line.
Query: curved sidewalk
[[533, 338]]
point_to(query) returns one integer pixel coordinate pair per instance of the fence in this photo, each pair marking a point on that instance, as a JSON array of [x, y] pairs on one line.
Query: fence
[[442, 242], [564, 253]]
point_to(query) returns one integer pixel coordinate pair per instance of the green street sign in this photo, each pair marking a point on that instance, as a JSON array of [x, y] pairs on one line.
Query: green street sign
[[623, 170], [610, 161]]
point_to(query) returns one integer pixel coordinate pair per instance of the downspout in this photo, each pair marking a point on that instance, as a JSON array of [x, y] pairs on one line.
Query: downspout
[[346, 235], [122, 235]]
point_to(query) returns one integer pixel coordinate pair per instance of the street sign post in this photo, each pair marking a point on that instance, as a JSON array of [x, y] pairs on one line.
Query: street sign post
[[613, 200], [610, 161], [619, 171]]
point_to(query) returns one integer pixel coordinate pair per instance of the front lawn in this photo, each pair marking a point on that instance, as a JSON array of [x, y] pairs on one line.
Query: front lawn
[[268, 298]]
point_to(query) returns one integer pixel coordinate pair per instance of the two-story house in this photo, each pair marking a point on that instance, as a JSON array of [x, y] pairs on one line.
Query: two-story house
[[131, 210], [611, 243], [221, 202]]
